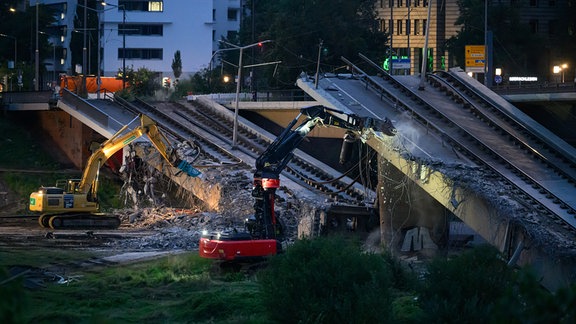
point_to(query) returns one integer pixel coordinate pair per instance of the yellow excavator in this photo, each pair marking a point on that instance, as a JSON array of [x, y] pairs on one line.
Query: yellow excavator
[[73, 203]]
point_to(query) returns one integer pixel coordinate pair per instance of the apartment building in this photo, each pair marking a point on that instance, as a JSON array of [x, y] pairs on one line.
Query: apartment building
[[406, 21], [137, 33]]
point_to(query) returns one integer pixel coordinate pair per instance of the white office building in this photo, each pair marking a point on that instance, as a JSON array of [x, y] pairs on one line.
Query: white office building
[[136, 33]]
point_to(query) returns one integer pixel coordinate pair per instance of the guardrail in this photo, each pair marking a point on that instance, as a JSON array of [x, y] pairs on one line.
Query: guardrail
[[534, 88]]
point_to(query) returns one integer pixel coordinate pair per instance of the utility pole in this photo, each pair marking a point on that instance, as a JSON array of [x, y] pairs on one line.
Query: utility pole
[[318, 65], [36, 56], [236, 108], [421, 86]]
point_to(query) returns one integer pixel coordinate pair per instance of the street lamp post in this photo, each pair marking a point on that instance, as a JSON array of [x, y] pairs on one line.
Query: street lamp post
[[53, 55], [422, 84], [98, 58], [121, 7], [241, 48], [84, 48], [36, 55]]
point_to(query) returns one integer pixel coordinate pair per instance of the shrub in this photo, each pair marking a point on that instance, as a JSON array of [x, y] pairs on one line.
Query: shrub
[[465, 289], [327, 280]]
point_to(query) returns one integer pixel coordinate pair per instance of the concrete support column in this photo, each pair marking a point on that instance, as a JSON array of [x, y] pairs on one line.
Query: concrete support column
[[384, 192]]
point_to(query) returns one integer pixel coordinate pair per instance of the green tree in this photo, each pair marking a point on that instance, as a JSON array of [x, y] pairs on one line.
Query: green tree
[[465, 288], [143, 83], [18, 24], [177, 65], [297, 27]]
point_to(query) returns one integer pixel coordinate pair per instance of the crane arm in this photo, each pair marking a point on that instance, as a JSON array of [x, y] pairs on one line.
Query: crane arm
[[279, 153], [274, 159]]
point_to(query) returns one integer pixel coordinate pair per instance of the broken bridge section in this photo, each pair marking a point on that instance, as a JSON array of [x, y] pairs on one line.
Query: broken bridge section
[[424, 179]]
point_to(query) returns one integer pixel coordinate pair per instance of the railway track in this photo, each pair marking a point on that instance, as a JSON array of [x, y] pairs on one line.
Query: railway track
[[532, 168], [211, 131]]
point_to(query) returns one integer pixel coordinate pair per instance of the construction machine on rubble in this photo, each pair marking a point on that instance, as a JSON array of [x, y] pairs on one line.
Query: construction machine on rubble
[[74, 204], [263, 234]]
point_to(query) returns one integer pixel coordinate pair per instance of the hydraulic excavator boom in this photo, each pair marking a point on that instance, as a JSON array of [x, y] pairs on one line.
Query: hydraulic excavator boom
[[74, 203], [263, 234]]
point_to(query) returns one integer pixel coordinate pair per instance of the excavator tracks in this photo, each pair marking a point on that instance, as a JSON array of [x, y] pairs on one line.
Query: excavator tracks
[[79, 221]]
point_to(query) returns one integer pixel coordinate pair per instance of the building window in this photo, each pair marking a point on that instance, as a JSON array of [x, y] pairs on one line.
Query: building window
[[399, 27], [399, 3], [424, 21], [551, 3], [141, 53], [552, 27], [407, 27], [129, 5], [391, 26], [416, 26], [141, 29], [156, 6], [533, 3], [232, 14], [533, 23], [382, 25]]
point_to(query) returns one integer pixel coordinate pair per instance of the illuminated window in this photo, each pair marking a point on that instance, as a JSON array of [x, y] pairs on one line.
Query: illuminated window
[[155, 6], [135, 5]]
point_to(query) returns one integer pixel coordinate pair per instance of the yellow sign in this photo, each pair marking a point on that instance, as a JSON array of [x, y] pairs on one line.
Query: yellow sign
[[475, 58]]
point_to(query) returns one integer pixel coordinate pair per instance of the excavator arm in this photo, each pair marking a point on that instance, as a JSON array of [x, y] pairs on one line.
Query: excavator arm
[[76, 205], [264, 231], [89, 184]]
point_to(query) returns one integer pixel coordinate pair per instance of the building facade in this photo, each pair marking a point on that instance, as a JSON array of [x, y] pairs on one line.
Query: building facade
[[135, 34], [406, 21]]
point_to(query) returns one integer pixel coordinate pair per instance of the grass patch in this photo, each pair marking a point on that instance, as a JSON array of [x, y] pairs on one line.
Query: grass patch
[[175, 289], [25, 256]]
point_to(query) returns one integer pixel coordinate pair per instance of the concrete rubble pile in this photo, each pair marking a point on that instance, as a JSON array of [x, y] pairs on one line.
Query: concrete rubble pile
[[180, 228]]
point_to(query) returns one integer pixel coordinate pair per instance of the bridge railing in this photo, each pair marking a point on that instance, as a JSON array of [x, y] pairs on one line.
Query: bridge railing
[[528, 88]]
